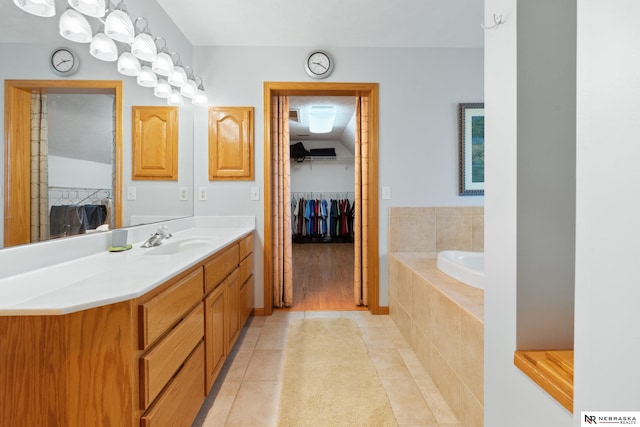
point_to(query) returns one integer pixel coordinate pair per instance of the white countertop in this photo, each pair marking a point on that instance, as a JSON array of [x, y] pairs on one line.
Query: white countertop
[[108, 277]]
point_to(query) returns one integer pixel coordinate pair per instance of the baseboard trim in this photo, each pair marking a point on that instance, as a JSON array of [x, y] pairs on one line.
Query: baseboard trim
[[257, 312], [383, 310]]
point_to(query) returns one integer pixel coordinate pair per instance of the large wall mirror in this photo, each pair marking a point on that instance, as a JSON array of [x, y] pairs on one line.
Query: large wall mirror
[[30, 41], [63, 158]]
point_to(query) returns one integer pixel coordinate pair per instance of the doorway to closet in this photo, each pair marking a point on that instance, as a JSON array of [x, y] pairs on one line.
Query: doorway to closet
[[367, 237], [322, 183]]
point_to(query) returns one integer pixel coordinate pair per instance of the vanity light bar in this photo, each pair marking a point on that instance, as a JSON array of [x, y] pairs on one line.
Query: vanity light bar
[[140, 45]]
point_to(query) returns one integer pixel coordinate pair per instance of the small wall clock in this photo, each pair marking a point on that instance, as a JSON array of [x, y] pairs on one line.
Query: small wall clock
[[319, 64], [64, 61]]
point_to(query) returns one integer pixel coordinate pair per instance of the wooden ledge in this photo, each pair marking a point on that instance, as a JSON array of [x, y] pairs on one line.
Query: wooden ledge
[[550, 369]]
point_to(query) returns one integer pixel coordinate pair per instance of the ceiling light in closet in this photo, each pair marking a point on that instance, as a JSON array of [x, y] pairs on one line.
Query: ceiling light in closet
[[321, 118]]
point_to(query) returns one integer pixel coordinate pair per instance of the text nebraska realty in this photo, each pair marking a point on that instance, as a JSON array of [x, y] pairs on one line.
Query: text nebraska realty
[[592, 419]]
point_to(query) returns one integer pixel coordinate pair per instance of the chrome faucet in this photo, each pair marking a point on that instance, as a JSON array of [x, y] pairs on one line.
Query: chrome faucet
[[156, 239]]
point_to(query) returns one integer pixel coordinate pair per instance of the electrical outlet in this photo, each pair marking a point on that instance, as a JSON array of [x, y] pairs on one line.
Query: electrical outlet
[[255, 193], [202, 193], [184, 193], [131, 193]]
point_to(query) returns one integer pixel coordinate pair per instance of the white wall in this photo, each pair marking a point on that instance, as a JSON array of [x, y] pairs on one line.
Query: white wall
[[65, 172], [418, 144], [607, 336], [324, 176], [510, 398]]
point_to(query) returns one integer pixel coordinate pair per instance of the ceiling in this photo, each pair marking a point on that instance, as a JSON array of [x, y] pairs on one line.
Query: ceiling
[[330, 23], [327, 23]]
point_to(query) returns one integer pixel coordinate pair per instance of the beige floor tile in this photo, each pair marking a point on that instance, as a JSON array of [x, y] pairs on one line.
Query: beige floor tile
[[376, 337], [389, 364], [413, 364], [216, 407], [362, 318], [272, 337], [322, 314], [398, 339], [248, 338], [256, 321], [265, 365], [437, 404], [283, 317], [256, 404], [235, 366], [407, 403]]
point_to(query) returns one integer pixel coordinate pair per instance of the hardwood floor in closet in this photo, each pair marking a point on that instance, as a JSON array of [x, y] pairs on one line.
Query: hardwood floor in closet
[[323, 276]]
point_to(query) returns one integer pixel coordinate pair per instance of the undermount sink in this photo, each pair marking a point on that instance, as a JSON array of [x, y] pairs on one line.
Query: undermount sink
[[169, 247]]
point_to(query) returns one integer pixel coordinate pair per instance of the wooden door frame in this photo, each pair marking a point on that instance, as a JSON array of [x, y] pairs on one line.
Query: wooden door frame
[[369, 90], [17, 137]]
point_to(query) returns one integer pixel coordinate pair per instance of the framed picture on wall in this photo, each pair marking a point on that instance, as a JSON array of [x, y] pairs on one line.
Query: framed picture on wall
[[471, 149]]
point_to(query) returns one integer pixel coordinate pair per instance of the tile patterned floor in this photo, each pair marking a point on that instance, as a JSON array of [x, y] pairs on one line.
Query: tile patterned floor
[[247, 391]]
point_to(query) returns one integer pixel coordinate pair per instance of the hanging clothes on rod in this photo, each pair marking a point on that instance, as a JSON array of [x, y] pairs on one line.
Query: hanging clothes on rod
[[322, 217], [77, 210]]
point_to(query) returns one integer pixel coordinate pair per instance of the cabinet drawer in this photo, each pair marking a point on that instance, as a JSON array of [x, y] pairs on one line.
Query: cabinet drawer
[[180, 402], [164, 310], [160, 364], [220, 266], [246, 246], [246, 268]]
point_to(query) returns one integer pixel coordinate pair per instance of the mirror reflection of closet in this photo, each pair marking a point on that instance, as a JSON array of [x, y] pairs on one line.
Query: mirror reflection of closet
[[73, 129], [323, 249], [81, 155]]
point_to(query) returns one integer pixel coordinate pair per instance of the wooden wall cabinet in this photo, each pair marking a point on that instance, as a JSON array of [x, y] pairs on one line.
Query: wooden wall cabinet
[[155, 143], [231, 148], [147, 362]]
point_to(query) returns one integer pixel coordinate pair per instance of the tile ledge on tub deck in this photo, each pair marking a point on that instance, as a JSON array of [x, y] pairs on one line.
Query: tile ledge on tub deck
[[469, 298]]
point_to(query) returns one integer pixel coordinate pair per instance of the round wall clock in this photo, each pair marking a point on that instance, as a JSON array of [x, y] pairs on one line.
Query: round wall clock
[[319, 64], [64, 61]]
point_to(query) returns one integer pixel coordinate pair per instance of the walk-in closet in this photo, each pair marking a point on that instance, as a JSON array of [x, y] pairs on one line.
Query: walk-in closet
[[322, 183]]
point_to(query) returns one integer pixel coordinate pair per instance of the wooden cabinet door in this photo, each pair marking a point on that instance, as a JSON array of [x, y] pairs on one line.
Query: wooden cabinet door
[[232, 308], [214, 335], [155, 143], [231, 143]]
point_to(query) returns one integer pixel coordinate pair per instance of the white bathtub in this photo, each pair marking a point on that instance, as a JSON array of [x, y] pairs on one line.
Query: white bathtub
[[466, 267]]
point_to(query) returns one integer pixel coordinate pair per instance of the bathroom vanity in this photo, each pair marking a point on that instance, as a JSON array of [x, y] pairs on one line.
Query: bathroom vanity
[[138, 342]]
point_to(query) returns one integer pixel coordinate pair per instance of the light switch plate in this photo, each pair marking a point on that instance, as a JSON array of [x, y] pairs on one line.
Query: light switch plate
[[131, 193], [386, 193], [255, 193]]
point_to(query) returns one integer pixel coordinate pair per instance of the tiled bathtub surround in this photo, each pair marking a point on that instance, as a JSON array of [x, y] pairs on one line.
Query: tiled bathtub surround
[[434, 229], [442, 319]]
